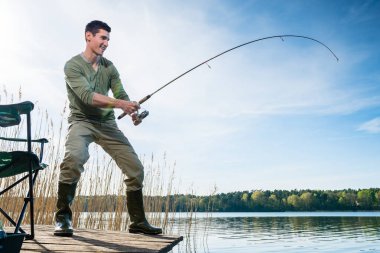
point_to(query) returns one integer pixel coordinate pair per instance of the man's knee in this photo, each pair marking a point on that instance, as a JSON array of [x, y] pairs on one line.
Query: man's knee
[[71, 167], [73, 160]]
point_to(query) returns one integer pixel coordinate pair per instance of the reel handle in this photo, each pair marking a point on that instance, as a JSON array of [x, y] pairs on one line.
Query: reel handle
[[140, 117], [140, 102]]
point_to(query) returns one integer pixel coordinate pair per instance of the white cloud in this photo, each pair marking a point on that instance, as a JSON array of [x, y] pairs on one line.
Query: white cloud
[[372, 126]]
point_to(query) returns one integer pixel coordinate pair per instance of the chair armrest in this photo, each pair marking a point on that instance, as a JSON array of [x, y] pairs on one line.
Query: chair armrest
[[42, 140], [21, 108]]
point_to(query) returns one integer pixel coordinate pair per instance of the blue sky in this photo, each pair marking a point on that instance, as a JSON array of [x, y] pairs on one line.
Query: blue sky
[[271, 115]]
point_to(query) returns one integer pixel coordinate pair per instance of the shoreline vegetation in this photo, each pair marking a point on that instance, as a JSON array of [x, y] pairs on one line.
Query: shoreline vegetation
[[101, 177], [101, 189], [240, 201]]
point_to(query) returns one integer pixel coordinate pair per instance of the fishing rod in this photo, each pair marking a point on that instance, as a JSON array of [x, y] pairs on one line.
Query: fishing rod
[[140, 116]]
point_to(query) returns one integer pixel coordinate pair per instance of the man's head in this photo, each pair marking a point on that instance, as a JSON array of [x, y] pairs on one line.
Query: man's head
[[97, 36], [95, 25]]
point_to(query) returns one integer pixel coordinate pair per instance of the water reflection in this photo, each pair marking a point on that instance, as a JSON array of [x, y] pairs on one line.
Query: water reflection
[[279, 234]]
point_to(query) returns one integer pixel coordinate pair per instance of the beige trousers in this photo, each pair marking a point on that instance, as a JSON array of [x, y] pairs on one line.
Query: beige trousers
[[112, 140]]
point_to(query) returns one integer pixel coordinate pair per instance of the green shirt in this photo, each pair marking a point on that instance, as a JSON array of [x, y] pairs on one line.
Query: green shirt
[[82, 81]]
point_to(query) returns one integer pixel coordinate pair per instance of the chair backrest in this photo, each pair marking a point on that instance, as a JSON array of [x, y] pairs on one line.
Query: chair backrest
[[10, 114]]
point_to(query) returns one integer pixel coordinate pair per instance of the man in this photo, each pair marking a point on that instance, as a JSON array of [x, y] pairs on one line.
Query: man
[[89, 76]]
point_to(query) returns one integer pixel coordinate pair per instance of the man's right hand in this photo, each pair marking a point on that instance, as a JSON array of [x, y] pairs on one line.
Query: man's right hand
[[128, 107]]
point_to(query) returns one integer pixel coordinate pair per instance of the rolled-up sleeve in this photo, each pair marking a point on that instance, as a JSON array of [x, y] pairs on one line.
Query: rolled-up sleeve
[[77, 82]]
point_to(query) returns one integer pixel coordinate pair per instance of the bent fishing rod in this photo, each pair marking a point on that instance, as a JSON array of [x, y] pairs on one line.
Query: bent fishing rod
[[140, 116]]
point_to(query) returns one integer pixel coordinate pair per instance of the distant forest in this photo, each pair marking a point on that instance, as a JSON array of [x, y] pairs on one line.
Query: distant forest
[[259, 201], [281, 200]]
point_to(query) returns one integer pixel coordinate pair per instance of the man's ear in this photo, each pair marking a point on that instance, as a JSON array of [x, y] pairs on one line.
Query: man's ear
[[88, 36]]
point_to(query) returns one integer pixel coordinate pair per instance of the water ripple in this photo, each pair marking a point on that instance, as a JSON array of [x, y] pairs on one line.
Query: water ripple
[[287, 234]]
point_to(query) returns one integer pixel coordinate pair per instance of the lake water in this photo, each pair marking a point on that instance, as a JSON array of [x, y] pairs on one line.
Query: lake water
[[279, 232]]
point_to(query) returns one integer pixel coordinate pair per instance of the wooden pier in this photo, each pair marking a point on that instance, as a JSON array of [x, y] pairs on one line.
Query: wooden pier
[[85, 240]]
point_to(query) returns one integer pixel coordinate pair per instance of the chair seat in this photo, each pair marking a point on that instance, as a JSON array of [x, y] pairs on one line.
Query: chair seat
[[16, 162]]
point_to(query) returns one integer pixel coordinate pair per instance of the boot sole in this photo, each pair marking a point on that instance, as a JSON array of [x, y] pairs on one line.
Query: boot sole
[[139, 231], [64, 234]]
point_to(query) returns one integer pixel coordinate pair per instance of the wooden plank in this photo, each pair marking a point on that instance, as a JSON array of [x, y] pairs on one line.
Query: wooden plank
[[98, 241]]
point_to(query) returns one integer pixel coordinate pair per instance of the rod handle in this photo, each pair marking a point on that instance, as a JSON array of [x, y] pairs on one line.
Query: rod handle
[[140, 102], [122, 115], [144, 99]]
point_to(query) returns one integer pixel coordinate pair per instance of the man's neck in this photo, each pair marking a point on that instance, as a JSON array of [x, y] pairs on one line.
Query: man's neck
[[91, 57]]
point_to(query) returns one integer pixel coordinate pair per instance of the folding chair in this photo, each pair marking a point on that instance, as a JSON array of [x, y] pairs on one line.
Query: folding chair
[[25, 163]]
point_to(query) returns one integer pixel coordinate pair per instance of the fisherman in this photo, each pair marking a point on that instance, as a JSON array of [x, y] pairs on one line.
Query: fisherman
[[89, 77]]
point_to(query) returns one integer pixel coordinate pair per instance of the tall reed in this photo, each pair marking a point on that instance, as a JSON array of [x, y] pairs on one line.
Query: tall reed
[[101, 182]]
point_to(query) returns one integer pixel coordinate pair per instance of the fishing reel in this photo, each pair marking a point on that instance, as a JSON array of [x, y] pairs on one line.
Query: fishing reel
[[138, 117]]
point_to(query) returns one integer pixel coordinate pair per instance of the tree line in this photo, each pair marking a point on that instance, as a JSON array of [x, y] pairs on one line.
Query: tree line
[[253, 201], [283, 200]]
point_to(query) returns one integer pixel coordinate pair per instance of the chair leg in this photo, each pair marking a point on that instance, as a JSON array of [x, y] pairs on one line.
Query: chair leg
[[11, 220], [32, 179], [29, 199]]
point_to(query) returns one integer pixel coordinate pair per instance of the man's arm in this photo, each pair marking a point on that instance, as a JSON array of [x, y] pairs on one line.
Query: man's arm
[[102, 101], [121, 99], [79, 85]]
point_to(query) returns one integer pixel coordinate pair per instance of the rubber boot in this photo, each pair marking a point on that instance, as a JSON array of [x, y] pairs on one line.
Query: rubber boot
[[63, 217], [135, 206]]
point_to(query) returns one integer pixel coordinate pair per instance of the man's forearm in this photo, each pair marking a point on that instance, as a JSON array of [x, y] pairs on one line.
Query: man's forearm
[[99, 100], [102, 101]]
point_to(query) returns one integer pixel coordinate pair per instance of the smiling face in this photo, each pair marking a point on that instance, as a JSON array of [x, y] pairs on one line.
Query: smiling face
[[97, 43]]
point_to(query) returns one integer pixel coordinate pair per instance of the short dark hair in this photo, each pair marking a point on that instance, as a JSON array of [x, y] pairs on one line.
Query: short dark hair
[[95, 25]]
